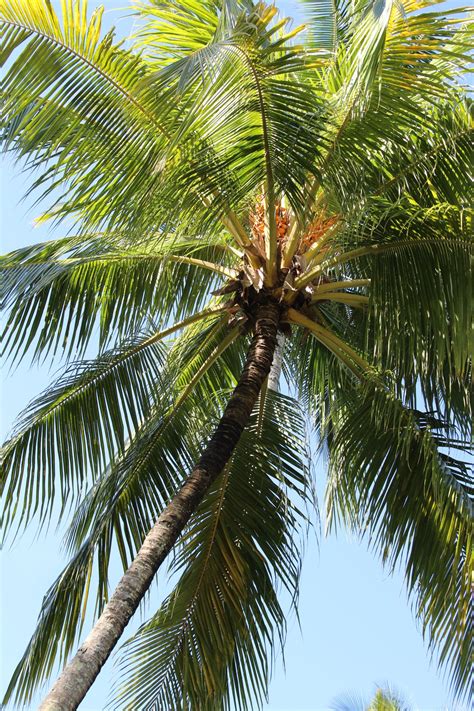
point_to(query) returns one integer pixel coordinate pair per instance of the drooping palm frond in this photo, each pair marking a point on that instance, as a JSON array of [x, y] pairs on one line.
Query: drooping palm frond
[[402, 274], [317, 376], [323, 23], [140, 481], [395, 478], [429, 346], [169, 31], [59, 295], [415, 190], [79, 424], [118, 510], [120, 507], [205, 647], [75, 101]]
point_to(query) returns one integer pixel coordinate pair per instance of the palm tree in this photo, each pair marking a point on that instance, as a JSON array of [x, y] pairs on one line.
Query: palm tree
[[384, 700], [231, 182]]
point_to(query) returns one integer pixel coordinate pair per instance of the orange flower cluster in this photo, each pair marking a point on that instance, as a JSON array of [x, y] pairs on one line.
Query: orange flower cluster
[[257, 222], [318, 228], [282, 220]]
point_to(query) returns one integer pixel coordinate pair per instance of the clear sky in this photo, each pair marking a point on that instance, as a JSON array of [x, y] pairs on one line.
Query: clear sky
[[356, 626]]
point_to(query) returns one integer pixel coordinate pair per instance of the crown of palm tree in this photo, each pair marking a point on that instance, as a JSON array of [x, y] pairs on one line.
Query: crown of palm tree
[[225, 161], [384, 699]]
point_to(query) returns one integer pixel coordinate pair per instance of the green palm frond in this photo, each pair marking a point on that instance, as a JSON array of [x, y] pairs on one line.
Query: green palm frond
[[405, 93], [120, 508], [408, 171], [58, 294], [206, 645], [135, 102], [431, 346], [62, 617], [431, 167], [139, 482], [172, 30], [88, 416], [395, 478], [229, 87], [388, 700], [77, 99], [323, 23]]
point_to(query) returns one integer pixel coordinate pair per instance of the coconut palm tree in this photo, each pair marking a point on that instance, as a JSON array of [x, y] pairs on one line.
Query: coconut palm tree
[[228, 182], [384, 700]]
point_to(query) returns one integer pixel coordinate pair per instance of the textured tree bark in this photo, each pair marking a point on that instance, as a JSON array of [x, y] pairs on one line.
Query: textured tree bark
[[277, 364], [79, 675]]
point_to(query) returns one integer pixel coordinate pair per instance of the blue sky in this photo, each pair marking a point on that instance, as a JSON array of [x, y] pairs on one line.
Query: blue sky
[[356, 626]]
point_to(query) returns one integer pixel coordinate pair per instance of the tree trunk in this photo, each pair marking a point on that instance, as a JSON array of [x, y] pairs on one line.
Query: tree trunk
[[277, 364], [79, 675]]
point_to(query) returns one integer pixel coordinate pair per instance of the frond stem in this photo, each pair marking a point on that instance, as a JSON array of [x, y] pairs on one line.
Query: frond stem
[[269, 194], [311, 274], [350, 284], [180, 259], [292, 245], [312, 254], [344, 298], [332, 342], [211, 266], [121, 358], [294, 241]]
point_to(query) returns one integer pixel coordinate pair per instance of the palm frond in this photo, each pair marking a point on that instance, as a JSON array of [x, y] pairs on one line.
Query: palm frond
[[121, 507], [395, 478], [83, 420], [75, 104], [336, 345], [397, 103], [323, 23], [57, 295], [431, 167], [138, 483], [169, 30], [431, 346]]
